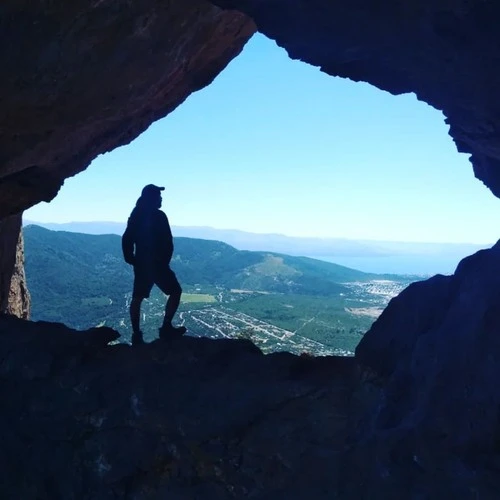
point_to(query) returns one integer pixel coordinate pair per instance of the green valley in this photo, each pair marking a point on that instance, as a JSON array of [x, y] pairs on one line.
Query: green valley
[[279, 301]]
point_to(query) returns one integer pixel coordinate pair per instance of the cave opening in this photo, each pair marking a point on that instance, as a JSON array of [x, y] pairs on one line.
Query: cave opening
[[415, 414], [276, 156]]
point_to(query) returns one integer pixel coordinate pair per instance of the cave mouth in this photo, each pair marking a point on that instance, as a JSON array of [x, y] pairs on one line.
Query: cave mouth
[[268, 121], [275, 146], [427, 404]]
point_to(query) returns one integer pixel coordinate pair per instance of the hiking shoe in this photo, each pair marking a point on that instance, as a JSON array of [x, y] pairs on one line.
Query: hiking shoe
[[137, 339], [169, 331]]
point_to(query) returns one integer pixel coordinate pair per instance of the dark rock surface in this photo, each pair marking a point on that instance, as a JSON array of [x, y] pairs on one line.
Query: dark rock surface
[[434, 356], [447, 52], [414, 416], [190, 418], [80, 78], [14, 294]]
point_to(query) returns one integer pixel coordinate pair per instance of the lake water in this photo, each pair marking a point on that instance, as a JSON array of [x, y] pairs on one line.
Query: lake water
[[424, 265]]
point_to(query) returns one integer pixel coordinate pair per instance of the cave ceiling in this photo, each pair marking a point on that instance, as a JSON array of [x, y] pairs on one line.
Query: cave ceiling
[[84, 77], [81, 78], [445, 51]]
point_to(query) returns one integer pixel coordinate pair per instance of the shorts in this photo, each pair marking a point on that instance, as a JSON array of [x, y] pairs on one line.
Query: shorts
[[145, 277]]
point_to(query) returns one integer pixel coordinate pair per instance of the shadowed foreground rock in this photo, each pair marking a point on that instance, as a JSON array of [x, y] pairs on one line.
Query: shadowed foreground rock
[[194, 418], [434, 357]]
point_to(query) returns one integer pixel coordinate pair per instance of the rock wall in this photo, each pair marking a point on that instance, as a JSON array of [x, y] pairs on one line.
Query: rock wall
[[14, 295], [431, 360], [437, 347], [80, 78], [445, 51], [196, 418]]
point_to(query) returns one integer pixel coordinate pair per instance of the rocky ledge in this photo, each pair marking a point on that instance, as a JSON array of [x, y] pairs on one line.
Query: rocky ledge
[[191, 418], [414, 415]]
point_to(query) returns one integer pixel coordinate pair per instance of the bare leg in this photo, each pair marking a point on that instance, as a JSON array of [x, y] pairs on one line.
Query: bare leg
[[171, 307], [135, 315]]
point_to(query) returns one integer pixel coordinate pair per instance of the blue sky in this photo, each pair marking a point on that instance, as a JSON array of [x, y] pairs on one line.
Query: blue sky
[[276, 146]]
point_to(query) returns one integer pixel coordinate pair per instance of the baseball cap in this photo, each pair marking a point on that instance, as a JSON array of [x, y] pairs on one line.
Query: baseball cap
[[151, 190]]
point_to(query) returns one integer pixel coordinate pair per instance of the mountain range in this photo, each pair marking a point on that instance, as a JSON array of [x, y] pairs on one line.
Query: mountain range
[[329, 248], [65, 268]]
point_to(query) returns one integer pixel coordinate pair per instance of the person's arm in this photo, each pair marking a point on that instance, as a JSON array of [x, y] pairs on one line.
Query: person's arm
[[128, 243]]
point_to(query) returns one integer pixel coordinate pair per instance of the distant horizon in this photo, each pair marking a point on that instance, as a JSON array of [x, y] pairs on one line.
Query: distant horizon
[[382, 257], [232, 229], [275, 146]]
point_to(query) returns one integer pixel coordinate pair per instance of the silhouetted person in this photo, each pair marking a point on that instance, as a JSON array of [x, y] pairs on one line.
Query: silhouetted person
[[148, 245]]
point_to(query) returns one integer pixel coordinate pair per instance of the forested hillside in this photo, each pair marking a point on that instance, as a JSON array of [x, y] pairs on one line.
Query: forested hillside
[[82, 280]]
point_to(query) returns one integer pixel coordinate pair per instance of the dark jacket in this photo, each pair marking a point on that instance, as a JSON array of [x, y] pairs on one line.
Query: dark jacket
[[147, 240]]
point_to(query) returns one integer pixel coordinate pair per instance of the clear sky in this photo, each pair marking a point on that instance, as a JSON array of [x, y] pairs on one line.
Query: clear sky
[[274, 145]]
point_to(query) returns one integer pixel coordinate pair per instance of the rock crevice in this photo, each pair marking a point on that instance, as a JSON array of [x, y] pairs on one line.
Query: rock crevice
[[14, 294]]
